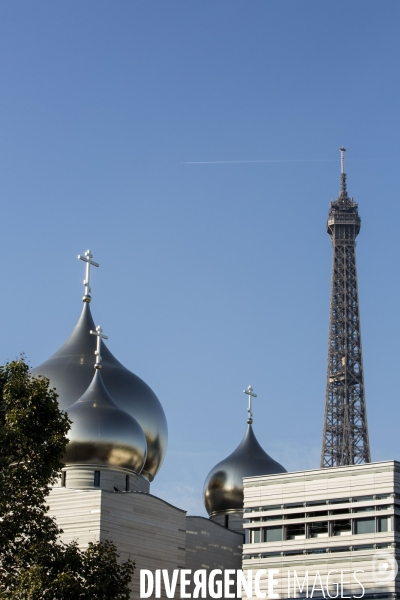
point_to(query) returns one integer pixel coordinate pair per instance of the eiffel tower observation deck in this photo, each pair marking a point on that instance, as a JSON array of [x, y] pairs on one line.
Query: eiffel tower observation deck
[[345, 438]]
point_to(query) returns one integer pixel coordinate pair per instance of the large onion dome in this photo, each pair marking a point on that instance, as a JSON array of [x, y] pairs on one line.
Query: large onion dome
[[70, 371], [103, 434], [223, 487]]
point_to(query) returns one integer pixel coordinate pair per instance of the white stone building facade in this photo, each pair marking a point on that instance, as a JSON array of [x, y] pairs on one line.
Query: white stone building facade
[[326, 521]]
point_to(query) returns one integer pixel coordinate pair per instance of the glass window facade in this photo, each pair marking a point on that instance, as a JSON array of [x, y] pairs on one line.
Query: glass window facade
[[383, 524], [318, 529], [295, 532], [364, 526], [273, 534], [341, 527], [96, 482]]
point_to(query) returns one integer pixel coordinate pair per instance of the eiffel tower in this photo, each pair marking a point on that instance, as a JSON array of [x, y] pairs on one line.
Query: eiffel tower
[[345, 438]]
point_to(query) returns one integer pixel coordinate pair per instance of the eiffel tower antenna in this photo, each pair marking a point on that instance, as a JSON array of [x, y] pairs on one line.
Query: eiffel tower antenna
[[345, 438]]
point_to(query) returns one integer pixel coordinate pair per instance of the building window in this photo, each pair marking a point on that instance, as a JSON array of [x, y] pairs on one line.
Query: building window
[[63, 478], [341, 527], [273, 534], [364, 526], [256, 536], [339, 511], [295, 532], [363, 499], [340, 549], [383, 524], [295, 516], [97, 479], [127, 483], [363, 509], [318, 529], [315, 513]]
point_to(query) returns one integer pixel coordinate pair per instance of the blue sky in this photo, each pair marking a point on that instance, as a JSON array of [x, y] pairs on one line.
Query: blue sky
[[213, 276]]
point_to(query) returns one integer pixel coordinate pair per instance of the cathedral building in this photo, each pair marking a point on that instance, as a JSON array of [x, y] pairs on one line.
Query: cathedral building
[[117, 442]]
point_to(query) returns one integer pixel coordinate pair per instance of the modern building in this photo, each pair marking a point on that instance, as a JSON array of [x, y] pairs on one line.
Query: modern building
[[326, 521]]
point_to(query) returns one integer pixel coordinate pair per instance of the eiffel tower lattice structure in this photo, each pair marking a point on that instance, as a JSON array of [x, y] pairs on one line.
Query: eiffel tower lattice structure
[[345, 438]]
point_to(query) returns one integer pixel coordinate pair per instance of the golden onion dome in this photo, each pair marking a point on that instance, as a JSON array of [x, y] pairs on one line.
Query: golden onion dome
[[223, 487], [103, 434], [70, 371]]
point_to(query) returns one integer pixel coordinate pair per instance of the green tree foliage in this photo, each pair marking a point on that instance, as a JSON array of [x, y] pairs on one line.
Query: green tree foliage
[[66, 572], [34, 563]]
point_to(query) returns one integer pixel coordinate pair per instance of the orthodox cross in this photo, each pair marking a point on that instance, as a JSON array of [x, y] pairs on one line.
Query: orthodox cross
[[100, 336], [88, 260], [251, 395]]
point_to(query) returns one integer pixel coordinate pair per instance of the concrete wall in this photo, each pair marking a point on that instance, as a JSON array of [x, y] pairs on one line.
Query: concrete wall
[[148, 530], [77, 513], [210, 546]]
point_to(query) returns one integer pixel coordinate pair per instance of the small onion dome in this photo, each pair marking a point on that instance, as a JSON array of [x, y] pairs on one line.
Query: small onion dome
[[70, 371], [223, 487], [102, 433]]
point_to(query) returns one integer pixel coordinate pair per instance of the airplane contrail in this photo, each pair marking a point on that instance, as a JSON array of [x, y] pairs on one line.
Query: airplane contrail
[[284, 160], [227, 162]]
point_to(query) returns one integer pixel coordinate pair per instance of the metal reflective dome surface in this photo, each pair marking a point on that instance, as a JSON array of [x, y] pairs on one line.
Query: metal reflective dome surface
[[70, 371], [103, 434], [223, 487]]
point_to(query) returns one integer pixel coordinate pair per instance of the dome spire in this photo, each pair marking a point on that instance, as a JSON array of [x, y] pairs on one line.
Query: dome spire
[[88, 260], [101, 432], [100, 335], [251, 395], [223, 487], [70, 371]]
